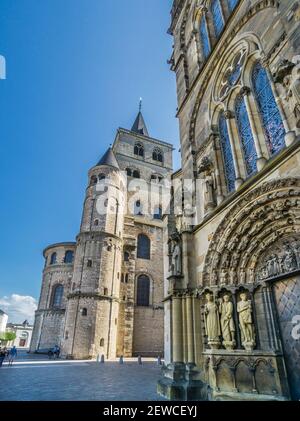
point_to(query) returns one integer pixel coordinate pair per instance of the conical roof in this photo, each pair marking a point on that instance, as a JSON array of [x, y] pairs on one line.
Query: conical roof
[[139, 126], [109, 159]]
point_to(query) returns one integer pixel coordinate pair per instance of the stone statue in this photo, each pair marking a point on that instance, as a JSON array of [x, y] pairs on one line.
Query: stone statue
[[291, 85], [176, 254], [210, 185], [244, 309], [212, 322], [227, 322], [290, 261]]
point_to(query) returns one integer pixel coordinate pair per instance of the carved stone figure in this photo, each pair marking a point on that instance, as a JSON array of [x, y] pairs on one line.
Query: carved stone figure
[[244, 309], [291, 86], [176, 254], [206, 168], [290, 261], [227, 322], [212, 322]]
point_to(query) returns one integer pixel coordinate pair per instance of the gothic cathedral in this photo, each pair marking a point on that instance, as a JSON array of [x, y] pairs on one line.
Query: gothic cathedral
[[233, 304]]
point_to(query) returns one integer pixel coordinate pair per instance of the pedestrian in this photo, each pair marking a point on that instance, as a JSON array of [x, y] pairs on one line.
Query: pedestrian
[[12, 355], [2, 356]]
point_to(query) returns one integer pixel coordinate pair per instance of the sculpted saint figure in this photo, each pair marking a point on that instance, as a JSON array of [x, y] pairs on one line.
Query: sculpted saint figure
[[212, 322], [244, 309], [176, 255], [227, 322], [290, 261]]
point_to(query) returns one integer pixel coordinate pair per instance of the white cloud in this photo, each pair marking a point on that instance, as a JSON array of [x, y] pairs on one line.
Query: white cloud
[[18, 307]]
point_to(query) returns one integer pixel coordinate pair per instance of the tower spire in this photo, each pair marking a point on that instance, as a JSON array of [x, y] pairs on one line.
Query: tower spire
[[139, 126]]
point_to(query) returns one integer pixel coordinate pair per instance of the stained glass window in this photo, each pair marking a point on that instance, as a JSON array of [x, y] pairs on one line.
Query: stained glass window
[[204, 37], [143, 291], [217, 17], [232, 4], [269, 112], [227, 154], [246, 136]]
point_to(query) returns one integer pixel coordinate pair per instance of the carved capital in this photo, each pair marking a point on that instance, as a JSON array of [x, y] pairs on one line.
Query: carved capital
[[228, 114], [245, 91]]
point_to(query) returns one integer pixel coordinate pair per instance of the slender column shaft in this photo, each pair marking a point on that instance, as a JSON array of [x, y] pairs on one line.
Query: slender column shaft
[[190, 330], [177, 330]]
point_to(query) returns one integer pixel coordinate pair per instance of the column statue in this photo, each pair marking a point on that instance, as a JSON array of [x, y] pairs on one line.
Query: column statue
[[227, 322], [212, 322], [244, 309]]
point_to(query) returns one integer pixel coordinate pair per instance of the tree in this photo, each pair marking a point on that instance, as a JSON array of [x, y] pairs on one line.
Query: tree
[[7, 336]]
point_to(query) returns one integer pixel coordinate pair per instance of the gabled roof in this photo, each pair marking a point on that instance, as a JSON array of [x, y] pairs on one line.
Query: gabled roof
[[139, 126], [109, 159]]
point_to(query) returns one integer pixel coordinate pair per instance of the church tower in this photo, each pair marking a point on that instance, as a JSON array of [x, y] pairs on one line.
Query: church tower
[[92, 309]]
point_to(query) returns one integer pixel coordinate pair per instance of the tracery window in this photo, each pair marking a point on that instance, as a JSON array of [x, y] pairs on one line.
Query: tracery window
[[246, 136], [143, 291], [227, 153], [157, 155], [204, 37], [139, 149], [269, 112], [217, 17]]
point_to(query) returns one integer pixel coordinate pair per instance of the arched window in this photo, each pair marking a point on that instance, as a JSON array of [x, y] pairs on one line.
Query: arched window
[[96, 222], [246, 136], [58, 293], [101, 342], [218, 20], [157, 212], [226, 153], [129, 172], [101, 177], [69, 256], [157, 155], [126, 256], [105, 291], [269, 112], [53, 259], [84, 312], [232, 4], [143, 247], [143, 291], [139, 149], [204, 37], [138, 208]]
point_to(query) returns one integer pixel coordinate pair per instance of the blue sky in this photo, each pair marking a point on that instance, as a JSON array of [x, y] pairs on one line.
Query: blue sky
[[75, 72]]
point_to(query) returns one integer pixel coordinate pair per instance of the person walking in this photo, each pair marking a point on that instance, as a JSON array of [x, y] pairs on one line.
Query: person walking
[[2, 355], [12, 355]]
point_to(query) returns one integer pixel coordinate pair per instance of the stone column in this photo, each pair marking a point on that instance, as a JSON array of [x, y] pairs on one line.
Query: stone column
[[290, 135], [177, 330], [238, 179], [261, 160], [190, 330]]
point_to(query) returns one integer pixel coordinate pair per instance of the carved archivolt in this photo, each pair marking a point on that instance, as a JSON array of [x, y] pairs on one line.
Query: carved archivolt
[[258, 221]]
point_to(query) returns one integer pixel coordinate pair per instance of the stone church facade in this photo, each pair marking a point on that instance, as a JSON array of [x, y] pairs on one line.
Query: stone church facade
[[232, 262], [103, 294]]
